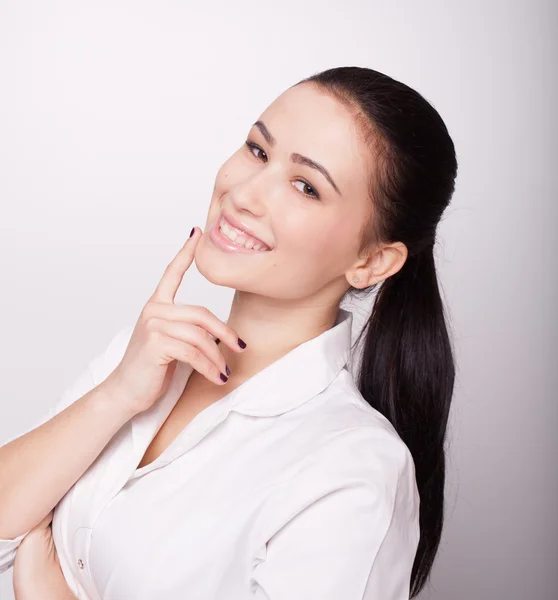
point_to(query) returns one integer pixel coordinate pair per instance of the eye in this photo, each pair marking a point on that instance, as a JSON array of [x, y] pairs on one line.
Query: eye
[[251, 146], [314, 194]]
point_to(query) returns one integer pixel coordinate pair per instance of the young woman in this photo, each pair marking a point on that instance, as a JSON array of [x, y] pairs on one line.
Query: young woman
[[201, 459]]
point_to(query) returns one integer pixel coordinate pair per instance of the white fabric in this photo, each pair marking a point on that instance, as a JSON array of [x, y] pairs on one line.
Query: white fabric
[[290, 487]]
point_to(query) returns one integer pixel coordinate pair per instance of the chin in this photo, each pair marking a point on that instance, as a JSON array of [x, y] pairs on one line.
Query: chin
[[213, 270]]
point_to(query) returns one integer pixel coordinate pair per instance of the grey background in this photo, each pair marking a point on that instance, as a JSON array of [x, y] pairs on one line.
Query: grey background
[[114, 118]]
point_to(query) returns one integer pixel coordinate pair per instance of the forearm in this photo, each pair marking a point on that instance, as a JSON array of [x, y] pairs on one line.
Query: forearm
[[54, 587], [51, 585], [38, 468]]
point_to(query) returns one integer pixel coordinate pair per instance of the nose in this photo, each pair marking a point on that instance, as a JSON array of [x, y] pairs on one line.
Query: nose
[[249, 195]]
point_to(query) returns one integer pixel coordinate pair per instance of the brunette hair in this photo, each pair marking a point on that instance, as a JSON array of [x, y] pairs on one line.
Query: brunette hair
[[407, 369]]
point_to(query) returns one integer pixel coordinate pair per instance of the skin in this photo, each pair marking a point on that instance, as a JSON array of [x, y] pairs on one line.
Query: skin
[[291, 293], [37, 572]]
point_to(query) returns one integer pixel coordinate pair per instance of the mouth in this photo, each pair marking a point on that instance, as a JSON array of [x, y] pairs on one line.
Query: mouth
[[231, 239]]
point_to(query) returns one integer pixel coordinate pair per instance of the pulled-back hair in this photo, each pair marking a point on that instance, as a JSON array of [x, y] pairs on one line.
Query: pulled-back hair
[[407, 369]]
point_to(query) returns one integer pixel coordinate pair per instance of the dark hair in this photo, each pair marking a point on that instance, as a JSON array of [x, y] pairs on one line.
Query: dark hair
[[407, 370]]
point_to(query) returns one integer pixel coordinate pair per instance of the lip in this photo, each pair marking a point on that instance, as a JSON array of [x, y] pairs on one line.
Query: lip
[[227, 245], [241, 227]]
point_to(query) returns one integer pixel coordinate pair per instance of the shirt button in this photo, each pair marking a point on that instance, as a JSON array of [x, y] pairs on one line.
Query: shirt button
[[80, 563]]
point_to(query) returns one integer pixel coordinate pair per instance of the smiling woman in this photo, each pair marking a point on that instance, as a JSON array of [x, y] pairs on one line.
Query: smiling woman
[[187, 462]]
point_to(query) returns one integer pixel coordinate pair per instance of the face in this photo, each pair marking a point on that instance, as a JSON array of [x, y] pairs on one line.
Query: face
[[309, 218]]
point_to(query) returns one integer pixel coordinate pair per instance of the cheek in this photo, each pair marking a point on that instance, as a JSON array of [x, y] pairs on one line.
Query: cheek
[[221, 181], [224, 181], [322, 246], [225, 174], [311, 240]]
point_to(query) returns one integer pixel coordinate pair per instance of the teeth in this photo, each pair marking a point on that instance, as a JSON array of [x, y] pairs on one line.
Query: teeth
[[239, 239]]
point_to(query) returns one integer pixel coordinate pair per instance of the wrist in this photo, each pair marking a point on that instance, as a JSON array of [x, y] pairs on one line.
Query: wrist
[[111, 397]]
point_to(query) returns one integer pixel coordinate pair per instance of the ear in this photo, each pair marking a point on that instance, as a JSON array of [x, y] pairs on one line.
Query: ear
[[380, 264]]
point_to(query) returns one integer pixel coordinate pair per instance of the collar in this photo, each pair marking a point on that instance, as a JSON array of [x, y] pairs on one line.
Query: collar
[[297, 376], [285, 384], [282, 386]]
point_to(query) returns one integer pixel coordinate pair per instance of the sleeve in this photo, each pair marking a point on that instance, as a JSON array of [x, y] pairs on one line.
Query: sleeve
[[355, 541], [96, 371]]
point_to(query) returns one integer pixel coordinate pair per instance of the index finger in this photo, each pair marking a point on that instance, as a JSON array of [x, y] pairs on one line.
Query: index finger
[[174, 273]]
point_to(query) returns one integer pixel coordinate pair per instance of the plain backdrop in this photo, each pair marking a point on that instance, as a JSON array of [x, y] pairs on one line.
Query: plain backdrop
[[114, 119]]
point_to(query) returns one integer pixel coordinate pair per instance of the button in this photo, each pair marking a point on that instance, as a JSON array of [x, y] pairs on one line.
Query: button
[[80, 563]]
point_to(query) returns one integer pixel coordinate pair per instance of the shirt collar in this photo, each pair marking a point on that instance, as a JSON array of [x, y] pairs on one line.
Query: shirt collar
[[297, 376], [285, 384]]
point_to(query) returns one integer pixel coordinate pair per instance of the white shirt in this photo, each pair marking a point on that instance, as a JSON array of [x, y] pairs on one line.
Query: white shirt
[[291, 487]]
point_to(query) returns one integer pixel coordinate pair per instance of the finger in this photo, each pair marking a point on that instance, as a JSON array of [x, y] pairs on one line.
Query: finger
[[194, 336], [197, 315], [192, 355], [174, 273]]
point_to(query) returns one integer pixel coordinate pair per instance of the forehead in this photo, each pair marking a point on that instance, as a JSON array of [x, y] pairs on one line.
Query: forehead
[[315, 124]]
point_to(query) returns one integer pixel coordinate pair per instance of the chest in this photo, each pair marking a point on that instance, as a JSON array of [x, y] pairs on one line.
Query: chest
[[197, 396]]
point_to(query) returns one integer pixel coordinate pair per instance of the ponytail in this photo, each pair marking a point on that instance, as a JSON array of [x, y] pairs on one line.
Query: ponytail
[[407, 373]]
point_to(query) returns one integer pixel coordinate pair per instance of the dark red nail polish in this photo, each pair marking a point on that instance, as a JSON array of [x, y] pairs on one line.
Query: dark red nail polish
[[227, 370], [223, 377], [192, 232], [241, 343]]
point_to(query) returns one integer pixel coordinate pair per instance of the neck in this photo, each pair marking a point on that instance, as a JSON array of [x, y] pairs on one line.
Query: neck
[[271, 329]]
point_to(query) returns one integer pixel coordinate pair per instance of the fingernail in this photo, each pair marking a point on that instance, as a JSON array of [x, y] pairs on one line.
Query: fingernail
[[241, 343], [224, 377], [192, 232], [228, 371]]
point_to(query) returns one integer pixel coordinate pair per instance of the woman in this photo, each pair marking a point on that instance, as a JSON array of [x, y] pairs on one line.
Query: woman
[[186, 462]]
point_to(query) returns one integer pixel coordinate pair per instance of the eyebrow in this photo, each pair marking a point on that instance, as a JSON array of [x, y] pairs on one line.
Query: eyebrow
[[298, 158]]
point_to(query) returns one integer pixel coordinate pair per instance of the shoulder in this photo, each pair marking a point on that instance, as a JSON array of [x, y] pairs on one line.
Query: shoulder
[[342, 442], [349, 428], [356, 469]]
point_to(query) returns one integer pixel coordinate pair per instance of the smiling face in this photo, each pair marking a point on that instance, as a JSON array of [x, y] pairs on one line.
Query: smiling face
[[309, 216]]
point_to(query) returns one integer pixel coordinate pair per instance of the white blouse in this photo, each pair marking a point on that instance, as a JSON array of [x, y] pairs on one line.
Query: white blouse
[[290, 487]]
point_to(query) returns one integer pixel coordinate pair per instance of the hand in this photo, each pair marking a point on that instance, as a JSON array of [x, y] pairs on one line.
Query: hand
[[165, 333], [37, 573]]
